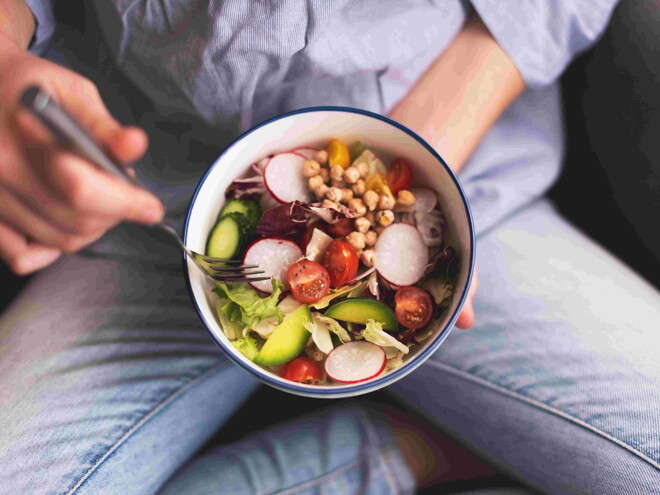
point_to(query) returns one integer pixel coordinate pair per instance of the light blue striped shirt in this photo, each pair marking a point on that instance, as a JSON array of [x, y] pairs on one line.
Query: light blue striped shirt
[[246, 61]]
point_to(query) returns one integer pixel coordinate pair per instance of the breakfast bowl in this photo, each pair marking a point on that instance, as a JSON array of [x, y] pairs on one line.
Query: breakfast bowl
[[303, 133]]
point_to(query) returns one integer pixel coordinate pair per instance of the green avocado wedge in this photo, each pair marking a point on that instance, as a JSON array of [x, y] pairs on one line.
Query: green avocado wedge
[[287, 340], [361, 309]]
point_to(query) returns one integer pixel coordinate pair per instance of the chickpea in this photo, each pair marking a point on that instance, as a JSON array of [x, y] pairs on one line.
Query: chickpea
[[329, 204], [347, 195], [359, 187], [370, 238], [337, 172], [368, 257], [405, 198], [311, 168], [362, 224], [334, 194], [325, 173], [385, 217], [351, 175], [322, 157], [356, 239], [321, 191], [386, 202], [371, 216], [356, 205], [341, 183], [315, 182], [364, 169], [370, 199]]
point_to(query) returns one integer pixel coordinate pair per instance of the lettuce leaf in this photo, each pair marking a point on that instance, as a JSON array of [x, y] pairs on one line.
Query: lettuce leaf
[[252, 307], [332, 325], [229, 315], [247, 347], [374, 332], [264, 327], [320, 335]]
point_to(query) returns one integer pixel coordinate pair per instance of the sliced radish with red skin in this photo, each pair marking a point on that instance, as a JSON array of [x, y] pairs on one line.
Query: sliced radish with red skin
[[401, 255], [308, 153], [273, 256], [355, 361], [284, 179]]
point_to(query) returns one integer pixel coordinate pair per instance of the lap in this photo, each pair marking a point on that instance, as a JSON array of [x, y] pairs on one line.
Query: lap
[[559, 380], [107, 369]]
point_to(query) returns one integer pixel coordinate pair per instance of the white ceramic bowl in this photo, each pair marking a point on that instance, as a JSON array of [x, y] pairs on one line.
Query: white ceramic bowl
[[315, 127]]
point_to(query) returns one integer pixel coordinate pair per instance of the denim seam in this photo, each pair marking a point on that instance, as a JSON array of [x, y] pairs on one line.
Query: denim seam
[[324, 478], [159, 407], [541, 405]]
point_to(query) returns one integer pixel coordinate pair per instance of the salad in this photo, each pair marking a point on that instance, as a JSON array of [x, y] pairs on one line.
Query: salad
[[357, 259]]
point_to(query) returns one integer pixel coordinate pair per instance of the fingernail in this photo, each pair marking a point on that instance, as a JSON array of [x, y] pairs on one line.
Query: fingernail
[[37, 261]]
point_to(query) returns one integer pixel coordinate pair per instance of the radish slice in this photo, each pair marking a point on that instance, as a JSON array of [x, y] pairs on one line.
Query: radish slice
[[425, 200], [307, 153], [355, 361], [274, 257], [401, 255], [284, 179]]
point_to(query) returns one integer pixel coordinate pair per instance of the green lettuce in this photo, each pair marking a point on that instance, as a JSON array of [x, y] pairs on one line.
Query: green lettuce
[[229, 315], [249, 304], [247, 347], [374, 332]]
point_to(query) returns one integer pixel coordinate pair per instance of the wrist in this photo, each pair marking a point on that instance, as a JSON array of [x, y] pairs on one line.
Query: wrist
[[17, 25]]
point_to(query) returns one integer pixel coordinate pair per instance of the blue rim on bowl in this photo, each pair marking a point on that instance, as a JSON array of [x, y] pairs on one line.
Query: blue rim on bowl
[[392, 376]]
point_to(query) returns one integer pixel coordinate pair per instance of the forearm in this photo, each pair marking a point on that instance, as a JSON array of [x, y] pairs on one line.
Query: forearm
[[17, 25], [461, 95]]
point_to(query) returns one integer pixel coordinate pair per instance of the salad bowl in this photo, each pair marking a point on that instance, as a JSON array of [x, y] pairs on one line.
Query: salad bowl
[[312, 127]]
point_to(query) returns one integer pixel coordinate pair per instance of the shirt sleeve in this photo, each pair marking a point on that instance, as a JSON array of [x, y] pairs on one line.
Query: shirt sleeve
[[543, 36], [45, 21]]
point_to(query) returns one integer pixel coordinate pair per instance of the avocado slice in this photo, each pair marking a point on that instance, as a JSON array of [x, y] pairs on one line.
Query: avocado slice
[[287, 340], [361, 309]]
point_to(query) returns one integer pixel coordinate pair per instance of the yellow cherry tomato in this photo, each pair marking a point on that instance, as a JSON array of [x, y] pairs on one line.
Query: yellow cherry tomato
[[338, 153], [378, 183]]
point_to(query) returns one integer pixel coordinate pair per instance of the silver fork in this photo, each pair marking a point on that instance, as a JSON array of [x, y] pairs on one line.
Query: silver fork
[[71, 134]]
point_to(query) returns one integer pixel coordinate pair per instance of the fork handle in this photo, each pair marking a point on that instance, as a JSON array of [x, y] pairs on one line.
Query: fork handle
[[70, 133]]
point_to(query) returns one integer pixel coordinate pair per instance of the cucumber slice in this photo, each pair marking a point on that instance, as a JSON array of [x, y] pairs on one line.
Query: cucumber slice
[[250, 209], [228, 236]]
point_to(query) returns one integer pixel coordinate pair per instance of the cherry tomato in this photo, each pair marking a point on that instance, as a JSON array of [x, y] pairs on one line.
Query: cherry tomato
[[399, 175], [378, 183], [338, 153], [341, 260], [341, 227], [413, 307], [302, 369], [309, 281]]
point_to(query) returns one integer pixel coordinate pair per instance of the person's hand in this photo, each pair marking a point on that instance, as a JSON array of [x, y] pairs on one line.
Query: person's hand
[[51, 201], [466, 318]]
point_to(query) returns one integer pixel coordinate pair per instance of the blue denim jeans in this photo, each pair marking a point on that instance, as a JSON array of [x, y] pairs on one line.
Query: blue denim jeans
[[110, 384]]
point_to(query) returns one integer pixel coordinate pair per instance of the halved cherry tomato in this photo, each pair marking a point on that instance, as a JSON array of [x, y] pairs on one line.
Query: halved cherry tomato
[[341, 227], [399, 175], [413, 307], [338, 153], [302, 369], [309, 281], [341, 260], [378, 183]]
